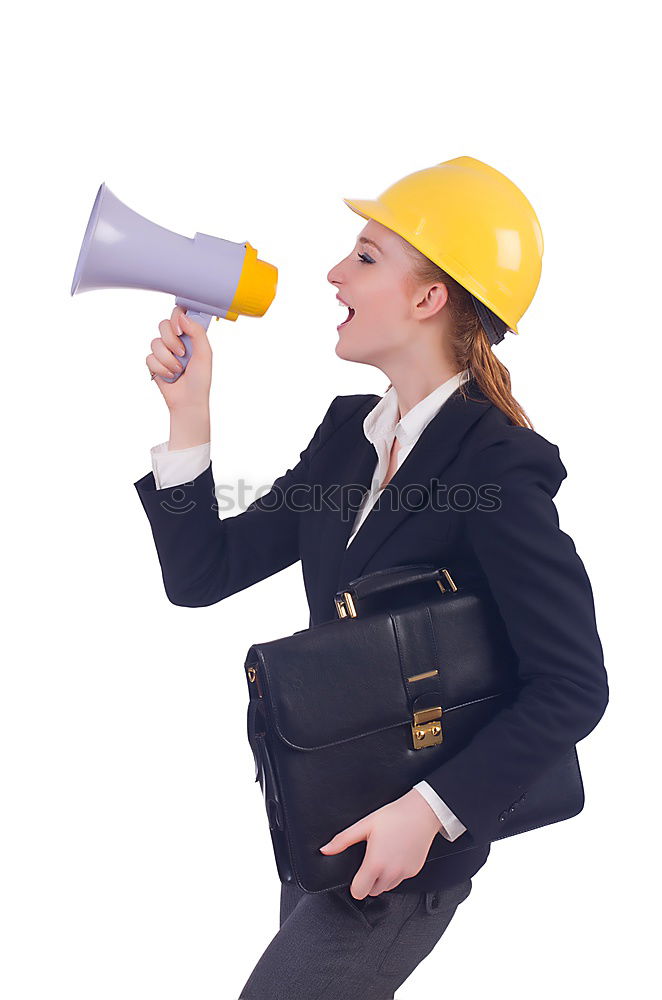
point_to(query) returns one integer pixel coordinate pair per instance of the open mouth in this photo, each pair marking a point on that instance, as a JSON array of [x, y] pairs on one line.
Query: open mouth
[[349, 318]]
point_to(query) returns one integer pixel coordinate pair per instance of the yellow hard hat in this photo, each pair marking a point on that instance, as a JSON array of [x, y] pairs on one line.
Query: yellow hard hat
[[473, 222]]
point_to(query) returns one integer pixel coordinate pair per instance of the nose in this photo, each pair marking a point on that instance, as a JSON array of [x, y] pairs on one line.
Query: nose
[[334, 277], [335, 274]]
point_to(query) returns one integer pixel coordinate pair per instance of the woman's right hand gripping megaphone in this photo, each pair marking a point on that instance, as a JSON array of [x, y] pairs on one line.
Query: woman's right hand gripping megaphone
[[191, 391]]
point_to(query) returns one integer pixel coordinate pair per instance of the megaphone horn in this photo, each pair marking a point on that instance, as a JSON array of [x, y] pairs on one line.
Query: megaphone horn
[[208, 275]]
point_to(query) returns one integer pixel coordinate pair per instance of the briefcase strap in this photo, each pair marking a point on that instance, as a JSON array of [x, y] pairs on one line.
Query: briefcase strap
[[418, 655]]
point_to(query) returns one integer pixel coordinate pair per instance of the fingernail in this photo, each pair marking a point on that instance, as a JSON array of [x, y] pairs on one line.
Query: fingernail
[[181, 351]]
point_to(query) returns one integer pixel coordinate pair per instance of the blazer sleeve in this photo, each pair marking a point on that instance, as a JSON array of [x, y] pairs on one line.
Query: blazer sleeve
[[545, 598], [204, 558]]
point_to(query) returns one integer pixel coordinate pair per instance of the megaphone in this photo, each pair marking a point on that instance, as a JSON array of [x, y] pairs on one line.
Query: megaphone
[[208, 275]]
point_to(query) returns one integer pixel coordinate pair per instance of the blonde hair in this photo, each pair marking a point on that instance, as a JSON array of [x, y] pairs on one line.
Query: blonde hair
[[468, 341]]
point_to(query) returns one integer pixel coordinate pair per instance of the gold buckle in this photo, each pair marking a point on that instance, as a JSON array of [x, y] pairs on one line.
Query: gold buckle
[[345, 605], [426, 728], [450, 580]]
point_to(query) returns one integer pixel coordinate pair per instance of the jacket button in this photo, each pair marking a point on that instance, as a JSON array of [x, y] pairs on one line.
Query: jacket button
[[511, 809], [503, 816]]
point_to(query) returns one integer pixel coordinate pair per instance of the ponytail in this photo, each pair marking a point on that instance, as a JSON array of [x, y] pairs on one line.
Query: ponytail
[[468, 341]]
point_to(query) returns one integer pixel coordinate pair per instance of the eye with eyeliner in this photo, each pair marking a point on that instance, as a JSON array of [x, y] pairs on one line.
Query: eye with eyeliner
[[365, 259]]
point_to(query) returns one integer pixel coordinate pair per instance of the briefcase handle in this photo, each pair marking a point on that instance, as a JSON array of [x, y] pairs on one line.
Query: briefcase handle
[[387, 579]]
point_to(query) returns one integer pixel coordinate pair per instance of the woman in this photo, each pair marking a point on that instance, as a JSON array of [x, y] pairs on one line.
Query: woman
[[448, 261]]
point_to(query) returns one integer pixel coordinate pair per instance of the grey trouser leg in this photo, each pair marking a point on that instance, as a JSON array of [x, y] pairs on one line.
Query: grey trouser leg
[[331, 946]]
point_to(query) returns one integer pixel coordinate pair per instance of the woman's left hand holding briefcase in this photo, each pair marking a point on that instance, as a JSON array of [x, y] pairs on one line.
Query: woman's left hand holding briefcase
[[398, 835]]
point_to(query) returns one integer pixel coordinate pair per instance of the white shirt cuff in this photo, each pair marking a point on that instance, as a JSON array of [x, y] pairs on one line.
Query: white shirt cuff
[[452, 828], [174, 468]]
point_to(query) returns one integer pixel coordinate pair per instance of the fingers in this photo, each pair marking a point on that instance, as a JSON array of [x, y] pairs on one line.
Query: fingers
[[170, 331], [367, 883], [162, 353], [379, 871], [385, 883], [196, 331], [168, 348], [377, 882], [158, 368]]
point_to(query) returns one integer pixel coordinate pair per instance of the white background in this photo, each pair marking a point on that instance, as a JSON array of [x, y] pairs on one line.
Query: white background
[[136, 858]]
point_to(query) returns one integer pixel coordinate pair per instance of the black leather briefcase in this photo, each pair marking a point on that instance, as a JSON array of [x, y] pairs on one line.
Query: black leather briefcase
[[336, 710]]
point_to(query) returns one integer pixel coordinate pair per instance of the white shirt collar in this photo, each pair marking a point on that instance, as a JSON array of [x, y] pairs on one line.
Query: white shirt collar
[[382, 424]]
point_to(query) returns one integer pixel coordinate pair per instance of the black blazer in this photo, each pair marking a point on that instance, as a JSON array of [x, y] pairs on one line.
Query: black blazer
[[475, 494]]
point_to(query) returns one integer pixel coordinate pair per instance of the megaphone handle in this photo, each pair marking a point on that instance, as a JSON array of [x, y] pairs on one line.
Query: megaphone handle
[[204, 319]]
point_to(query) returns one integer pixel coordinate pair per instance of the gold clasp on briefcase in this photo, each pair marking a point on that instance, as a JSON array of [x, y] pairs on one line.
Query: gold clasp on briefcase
[[345, 605], [426, 727], [450, 579]]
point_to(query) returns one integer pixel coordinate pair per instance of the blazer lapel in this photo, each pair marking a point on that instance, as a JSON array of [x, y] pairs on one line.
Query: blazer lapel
[[435, 449], [351, 478]]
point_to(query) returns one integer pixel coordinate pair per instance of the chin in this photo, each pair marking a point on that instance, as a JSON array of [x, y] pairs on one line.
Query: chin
[[348, 356], [344, 352]]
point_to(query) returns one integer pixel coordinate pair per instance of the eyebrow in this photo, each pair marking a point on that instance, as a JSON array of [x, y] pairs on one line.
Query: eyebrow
[[364, 240]]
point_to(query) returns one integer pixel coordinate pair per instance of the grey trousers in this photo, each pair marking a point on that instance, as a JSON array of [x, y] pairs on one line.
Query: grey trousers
[[331, 946]]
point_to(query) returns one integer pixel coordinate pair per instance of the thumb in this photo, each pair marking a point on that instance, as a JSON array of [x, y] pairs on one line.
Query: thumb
[[190, 326], [197, 333]]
